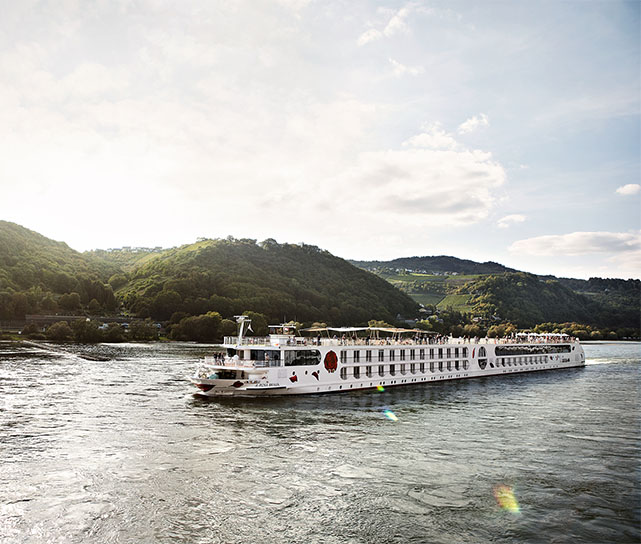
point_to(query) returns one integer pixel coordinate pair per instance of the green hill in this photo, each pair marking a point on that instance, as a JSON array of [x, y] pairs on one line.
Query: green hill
[[36, 273], [440, 264], [279, 280]]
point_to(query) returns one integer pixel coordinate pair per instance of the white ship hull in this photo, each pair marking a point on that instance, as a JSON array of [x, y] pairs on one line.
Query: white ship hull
[[335, 366]]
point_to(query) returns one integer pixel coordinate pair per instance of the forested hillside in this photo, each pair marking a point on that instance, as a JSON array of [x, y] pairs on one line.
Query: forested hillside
[[441, 264], [279, 280], [40, 275]]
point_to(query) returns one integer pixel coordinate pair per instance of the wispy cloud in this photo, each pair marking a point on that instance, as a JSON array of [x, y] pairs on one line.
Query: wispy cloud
[[395, 23], [401, 69], [509, 220], [629, 189], [579, 243], [473, 123]]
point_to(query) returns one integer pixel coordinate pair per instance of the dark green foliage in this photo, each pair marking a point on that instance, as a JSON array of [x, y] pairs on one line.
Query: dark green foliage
[[43, 270], [59, 332], [86, 332], [143, 331], [281, 281], [201, 328]]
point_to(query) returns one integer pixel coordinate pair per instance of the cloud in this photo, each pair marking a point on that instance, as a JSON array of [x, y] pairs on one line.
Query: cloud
[[579, 243], [401, 69], [432, 137], [368, 36], [396, 23], [508, 220], [473, 123], [629, 189]]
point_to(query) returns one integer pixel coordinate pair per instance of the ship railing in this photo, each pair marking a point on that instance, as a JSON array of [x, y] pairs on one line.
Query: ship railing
[[240, 363], [432, 340]]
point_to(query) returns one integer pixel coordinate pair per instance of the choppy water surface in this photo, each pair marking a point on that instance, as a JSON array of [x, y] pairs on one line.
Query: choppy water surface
[[121, 451]]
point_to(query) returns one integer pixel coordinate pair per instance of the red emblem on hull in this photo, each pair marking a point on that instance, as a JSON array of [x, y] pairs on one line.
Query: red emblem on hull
[[331, 361]]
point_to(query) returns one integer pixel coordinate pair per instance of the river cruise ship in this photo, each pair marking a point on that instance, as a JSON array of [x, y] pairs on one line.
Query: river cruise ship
[[348, 359]]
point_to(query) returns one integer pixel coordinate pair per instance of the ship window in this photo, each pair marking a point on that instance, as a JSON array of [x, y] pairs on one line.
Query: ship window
[[449, 352], [357, 372], [412, 354], [440, 353], [421, 354], [482, 352], [403, 368], [402, 355], [381, 355], [440, 366], [482, 363], [464, 352], [431, 353], [456, 353], [368, 371], [431, 366], [392, 355], [368, 356], [456, 363], [413, 368], [466, 364], [357, 356], [266, 357], [422, 368], [392, 370], [449, 365], [343, 356], [381, 370], [302, 357], [344, 373]]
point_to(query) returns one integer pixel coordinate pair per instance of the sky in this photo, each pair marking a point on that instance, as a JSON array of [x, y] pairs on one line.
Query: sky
[[503, 131]]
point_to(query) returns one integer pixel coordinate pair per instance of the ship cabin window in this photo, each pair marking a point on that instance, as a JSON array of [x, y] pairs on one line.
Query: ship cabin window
[[265, 357], [357, 372], [464, 352], [456, 353], [431, 366], [402, 355], [421, 354], [466, 364], [392, 370], [403, 371], [368, 371], [431, 353], [381, 355], [392, 355], [413, 368], [440, 366], [343, 356], [482, 358], [344, 373], [357, 356], [422, 368], [381, 370], [449, 365], [302, 357], [449, 352], [440, 353], [412, 354], [368, 356], [456, 365]]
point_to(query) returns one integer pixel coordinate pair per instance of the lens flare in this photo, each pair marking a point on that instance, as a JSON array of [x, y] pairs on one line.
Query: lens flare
[[380, 388], [390, 415], [505, 498]]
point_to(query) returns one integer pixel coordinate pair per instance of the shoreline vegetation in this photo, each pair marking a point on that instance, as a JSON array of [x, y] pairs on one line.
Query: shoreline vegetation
[[192, 293]]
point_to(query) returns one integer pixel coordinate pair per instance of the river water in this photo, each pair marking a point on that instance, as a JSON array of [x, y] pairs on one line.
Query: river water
[[120, 451]]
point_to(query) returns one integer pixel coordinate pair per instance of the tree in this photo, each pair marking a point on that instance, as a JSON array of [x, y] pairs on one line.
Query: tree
[[143, 330], [86, 332], [164, 304], [69, 301], [94, 307], [114, 333], [59, 332], [201, 328]]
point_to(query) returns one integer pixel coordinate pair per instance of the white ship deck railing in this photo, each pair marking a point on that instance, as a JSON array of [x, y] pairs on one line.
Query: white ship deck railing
[[442, 340], [239, 363]]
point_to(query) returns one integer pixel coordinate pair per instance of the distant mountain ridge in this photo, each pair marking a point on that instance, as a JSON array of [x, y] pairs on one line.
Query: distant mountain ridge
[[440, 264]]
